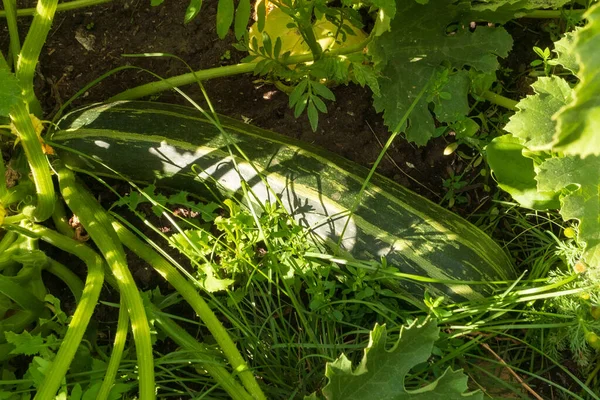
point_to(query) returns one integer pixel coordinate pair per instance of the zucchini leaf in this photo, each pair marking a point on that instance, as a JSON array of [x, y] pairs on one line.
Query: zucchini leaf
[[516, 173], [381, 372], [564, 52], [533, 123], [417, 45], [578, 124], [580, 180]]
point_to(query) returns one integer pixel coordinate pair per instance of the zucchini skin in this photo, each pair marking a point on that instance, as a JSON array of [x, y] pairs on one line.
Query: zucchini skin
[[177, 147]]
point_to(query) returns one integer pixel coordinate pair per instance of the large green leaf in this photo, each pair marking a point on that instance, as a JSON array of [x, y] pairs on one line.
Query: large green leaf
[[381, 372], [564, 52], [580, 178], [533, 123], [448, 108], [416, 46], [515, 174], [578, 125]]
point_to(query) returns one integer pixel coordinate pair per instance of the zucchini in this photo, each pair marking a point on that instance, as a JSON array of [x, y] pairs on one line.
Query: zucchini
[[176, 146]]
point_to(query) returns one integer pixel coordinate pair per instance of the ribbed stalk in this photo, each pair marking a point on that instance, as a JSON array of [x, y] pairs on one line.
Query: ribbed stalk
[[67, 276], [202, 352], [190, 294], [20, 295], [117, 352], [38, 162], [16, 323], [8, 241], [97, 224], [61, 221], [85, 308], [32, 47]]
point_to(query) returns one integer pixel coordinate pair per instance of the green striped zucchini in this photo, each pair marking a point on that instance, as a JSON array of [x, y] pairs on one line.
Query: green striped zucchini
[[176, 146]]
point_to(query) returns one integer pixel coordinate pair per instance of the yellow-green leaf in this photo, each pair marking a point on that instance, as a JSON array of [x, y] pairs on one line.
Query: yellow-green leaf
[[578, 125]]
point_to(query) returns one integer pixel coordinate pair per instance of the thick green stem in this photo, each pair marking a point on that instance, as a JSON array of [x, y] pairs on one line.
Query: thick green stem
[[8, 241], [10, 8], [61, 221], [98, 225], [117, 352], [212, 361], [66, 6], [20, 295], [85, 309], [67, 276], [32, 47], [219, 72], [500, 100], [14, 219], [190, 294], [38, 162]]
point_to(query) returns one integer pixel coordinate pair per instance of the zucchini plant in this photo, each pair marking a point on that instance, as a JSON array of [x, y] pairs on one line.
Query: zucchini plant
[[420, 60], [551, 154]]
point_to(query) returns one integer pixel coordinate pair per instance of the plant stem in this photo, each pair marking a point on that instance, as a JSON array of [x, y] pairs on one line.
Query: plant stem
[[7, 241], [202, 352], [69, 5], [190, 294], [219, 72], [20, 295], [13, 31], [61, 222], [85, 308], [16, 323], [67, 276], [30, 53], [97, 223], [14, 219], [500, 100], [38, 162], [117, 352]]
